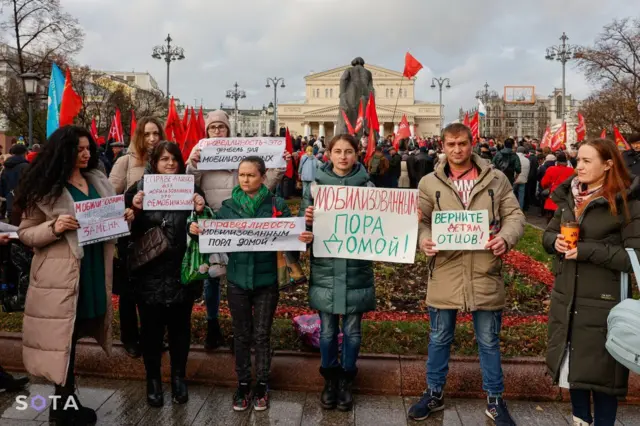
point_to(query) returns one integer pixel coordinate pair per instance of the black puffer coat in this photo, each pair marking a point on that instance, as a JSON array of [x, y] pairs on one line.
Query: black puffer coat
[[158, 282], [586, 289]]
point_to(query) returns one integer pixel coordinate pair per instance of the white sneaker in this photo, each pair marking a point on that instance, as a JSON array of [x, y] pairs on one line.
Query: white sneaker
[[579, 422]]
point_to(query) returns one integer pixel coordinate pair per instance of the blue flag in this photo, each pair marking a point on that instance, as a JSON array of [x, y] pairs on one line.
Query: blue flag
[[56, 87]]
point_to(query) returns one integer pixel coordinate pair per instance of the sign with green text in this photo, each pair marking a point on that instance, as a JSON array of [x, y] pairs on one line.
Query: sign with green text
[[460, 229], [363, 223]]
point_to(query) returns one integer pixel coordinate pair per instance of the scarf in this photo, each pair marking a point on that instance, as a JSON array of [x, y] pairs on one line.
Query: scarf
[[249, 204], [582, 196]]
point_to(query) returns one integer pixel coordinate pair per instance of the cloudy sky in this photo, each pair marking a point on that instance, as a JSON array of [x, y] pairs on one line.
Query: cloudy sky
[[248, 40]]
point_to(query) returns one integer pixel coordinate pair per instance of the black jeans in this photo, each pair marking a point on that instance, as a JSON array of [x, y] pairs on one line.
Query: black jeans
[[252, 314], [176, 318], [605, 407], [128, 319]]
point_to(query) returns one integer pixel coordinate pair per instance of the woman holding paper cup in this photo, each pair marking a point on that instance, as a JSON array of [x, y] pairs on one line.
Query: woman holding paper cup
[[163, 301], [340, 287], [69, 293], [598, 216], [253, 283]]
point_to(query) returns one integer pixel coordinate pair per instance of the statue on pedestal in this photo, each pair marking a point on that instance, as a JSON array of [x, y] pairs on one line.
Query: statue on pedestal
[[355, 85]]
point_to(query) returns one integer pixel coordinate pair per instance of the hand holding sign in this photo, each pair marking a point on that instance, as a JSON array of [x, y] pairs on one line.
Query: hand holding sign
[[497, 245], [138, 199], [65, 223], [198, 203]]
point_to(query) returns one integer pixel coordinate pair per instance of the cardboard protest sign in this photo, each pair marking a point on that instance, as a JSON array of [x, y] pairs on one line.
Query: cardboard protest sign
[[460, 229], [226, 236], [365, 223], [168, 192], [101, 219], [227, 153]]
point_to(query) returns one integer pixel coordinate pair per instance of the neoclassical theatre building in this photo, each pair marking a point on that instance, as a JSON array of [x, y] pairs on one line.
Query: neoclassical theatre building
[[318, 113]]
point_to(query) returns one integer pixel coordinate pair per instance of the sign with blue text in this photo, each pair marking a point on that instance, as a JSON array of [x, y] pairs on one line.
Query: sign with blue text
[[460, 229]]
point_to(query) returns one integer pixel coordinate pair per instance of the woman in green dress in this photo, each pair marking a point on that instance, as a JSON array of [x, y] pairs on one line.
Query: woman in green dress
[[70, 285]]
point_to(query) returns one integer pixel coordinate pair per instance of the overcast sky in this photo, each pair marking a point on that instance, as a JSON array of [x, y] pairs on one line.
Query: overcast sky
[[247, 40]]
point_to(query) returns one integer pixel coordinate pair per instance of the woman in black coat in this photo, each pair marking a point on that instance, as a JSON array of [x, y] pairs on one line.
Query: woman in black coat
[[605, 202], [163, 301]]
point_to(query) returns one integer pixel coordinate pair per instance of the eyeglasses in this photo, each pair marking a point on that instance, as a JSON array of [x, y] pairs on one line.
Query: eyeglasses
[[218, 128]]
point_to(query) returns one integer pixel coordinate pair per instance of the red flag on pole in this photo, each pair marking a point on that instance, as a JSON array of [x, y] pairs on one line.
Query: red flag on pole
[[173, 127], [360, 120], [546, 138], [134, 124], [374, 125], [475, 127], [404, 131], [71, 102], [289, 148], [621, 142], [581, 129], [603, 135], [119, 124], [347, 123], [94, 130], [411, 66], [559, 138], [466, 121], [191, 136], [203, 133], [114, 130], [185, 118]]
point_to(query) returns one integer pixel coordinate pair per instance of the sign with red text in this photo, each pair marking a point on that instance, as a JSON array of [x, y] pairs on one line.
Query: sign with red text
[[227, 153], [460, 229], [101, 219], [226, 236], [365, 223], [168, 192]]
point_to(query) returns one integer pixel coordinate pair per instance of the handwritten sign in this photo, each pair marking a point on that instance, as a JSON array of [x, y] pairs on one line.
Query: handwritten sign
[[168, 192], [365, 223], [460, 229], [227, 153], [226, 236], [101, 219]]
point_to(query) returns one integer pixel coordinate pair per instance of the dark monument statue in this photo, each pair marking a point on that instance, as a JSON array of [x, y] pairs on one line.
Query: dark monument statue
[[355, 84]]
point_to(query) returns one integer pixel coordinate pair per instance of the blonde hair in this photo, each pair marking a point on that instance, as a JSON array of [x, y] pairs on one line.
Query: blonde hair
[[137, 145], [309, 150]]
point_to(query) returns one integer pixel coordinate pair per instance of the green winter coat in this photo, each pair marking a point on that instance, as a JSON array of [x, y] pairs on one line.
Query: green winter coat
[[249, 270], [340, 286], [586, 289]]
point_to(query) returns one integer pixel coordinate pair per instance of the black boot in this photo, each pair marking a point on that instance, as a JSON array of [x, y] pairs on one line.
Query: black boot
[[329, 397], [154, 392], [179, 390], [214, 335], [68, 411], [11, 384], [345, 397]]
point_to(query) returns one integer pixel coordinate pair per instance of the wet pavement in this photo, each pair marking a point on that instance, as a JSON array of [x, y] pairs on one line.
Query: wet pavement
[[120, 402]]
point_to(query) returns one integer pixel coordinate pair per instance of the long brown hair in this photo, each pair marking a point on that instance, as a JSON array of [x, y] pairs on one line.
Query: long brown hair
[[137, 145], [616, 180]]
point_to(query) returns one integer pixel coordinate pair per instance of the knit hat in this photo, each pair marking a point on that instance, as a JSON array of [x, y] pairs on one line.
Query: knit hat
[[218, 116], [550, 157]]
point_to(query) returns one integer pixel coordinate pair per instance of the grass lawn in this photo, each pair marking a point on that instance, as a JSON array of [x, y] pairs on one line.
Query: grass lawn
[[531, 245]]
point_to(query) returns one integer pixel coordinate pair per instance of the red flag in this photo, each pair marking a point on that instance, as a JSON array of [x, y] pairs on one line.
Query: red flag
[[119, 124], [466, 121], [559, 138], [347, 123], [201, 123], [581, 129], [289, 148], [360, 120], [134, 124], [173, 127], [71, 102], [94, 130], [114, 131], [191, 136], [404, 131], [374, 125], [603, 135], [411, 66], [185, 118], [546, 138], [475, 127], [621, 142]]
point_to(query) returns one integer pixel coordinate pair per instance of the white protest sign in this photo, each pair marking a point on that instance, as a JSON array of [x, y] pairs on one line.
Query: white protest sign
[[226, 236], [227, 153], [364, 223], [460, 229], [101, 219], [168, 192]]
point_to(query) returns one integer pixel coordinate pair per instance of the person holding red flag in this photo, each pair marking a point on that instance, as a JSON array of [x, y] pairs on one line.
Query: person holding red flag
[[632, 156]]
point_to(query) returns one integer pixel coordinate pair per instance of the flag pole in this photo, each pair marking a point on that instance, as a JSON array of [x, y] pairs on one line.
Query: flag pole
[[393, 119]]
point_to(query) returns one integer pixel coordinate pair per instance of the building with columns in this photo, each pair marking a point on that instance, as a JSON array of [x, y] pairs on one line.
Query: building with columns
[[317, 114]]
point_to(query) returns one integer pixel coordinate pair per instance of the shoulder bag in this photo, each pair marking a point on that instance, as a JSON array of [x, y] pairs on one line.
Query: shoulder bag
[[151, 245]]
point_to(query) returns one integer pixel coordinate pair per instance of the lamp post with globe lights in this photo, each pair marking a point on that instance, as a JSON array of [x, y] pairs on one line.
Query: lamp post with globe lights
[[235, 95], [562, 53], [275, 81], [486, 95], [30, 80], [170, 54], [440, 82]]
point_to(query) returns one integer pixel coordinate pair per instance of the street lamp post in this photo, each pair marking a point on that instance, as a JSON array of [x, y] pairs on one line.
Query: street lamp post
[[563, 53], [275, 81], [30, 80], [485, 95], [170, 54], [440, 82], [236, 94]]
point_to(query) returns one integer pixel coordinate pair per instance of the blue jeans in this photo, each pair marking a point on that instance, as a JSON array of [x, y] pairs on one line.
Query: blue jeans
[[212, 297], [605, 406], [352, 336], [487, 328], [306, 189], [519, 190]]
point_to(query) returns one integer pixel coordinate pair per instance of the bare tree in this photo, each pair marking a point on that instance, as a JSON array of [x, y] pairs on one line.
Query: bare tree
[[150, 103], [613, 65]]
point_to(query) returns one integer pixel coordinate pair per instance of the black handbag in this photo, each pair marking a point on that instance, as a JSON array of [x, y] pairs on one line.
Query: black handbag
[[151, 245]]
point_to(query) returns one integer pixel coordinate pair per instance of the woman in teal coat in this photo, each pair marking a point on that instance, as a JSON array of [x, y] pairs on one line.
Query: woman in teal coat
[[340, 286]]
